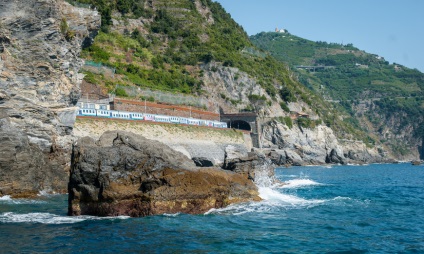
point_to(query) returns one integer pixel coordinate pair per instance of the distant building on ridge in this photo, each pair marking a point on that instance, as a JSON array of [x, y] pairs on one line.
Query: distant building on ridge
[[279, 30]]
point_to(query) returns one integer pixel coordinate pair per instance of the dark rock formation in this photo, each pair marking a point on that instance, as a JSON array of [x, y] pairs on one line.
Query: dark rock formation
[[416, 163], [38, 86], [251, 165], [284, 158], [333, 157], [127, 174], [202, 162]]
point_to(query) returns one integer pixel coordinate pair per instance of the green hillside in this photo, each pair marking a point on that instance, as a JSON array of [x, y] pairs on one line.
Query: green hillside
[[174, 36], [386, 99], [164, 44]]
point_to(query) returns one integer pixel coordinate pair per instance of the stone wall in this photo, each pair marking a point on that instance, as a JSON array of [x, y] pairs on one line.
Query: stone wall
[[192, 141]]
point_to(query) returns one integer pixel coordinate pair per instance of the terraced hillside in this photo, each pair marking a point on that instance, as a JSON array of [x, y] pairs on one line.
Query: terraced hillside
[[385, 99]]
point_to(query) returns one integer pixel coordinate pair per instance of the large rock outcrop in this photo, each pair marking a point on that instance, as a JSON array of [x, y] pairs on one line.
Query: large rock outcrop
[[40, 41], [303, 146], [126, 174], [253, 165], [194, 142]]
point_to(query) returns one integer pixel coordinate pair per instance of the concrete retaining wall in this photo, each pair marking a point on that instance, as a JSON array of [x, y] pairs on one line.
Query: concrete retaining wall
[[192, 141]]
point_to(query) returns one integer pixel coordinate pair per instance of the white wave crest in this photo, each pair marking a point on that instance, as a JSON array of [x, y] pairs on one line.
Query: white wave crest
[[272, 199], [46, 193], [171, 214], [239, 209], [48, 218], [5, 198], [297, 183], [290, 176], [277, 198], [20, 201]]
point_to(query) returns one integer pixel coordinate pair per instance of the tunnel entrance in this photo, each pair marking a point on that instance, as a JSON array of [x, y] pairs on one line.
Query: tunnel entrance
[[240, 125]]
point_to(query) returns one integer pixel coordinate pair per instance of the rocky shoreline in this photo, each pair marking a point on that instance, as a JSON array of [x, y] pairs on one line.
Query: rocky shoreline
[[126, 174], [112, 173]]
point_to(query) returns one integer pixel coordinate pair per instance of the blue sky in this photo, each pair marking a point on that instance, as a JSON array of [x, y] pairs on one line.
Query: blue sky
[[393, 29]]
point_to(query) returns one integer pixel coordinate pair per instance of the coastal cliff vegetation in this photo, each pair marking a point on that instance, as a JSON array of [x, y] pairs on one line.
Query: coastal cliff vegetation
[[385, 99], [171, 45]]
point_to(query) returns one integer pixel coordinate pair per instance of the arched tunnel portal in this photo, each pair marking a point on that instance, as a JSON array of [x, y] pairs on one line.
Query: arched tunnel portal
[[244, 121], [239, 124]]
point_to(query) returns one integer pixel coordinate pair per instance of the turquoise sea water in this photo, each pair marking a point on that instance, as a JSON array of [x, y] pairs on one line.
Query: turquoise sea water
[[338, 209]]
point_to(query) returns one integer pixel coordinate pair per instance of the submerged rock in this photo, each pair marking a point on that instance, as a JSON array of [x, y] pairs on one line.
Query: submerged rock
[[126, 174]]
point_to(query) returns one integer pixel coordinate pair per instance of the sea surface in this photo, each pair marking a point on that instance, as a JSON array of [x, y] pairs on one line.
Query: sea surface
[[337, 209]]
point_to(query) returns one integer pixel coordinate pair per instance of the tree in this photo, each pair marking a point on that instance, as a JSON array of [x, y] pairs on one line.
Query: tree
[[123, 6], [257, 101]]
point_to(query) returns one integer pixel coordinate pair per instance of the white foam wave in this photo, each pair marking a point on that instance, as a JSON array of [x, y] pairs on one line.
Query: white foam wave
[[46, 193], [272, 199], [5, 198], [278, 198], [290, 176], [347, 201], [48, 218], [296, 183], [20, 201], [171, 214], [339, 198], [239, 209]]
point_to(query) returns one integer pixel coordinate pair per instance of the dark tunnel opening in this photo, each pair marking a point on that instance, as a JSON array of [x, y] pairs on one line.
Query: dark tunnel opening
[[240, 125]]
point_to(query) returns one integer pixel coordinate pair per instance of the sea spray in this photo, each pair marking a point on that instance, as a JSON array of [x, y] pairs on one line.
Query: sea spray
[[268, 186], [264, 174]]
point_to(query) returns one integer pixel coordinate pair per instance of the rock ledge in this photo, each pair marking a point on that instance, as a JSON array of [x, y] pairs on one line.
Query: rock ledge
[[126, 174]]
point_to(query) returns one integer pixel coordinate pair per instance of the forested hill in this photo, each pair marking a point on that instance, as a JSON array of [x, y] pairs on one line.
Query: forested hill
[[152, 43], [386, 99], [194, 47]]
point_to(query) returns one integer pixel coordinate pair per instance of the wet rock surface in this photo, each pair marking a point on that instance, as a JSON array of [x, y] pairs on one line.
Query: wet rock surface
[[251, 164], [126, 174]]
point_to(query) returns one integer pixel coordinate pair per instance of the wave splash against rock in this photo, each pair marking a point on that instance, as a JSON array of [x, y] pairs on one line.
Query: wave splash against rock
[[126, 174]]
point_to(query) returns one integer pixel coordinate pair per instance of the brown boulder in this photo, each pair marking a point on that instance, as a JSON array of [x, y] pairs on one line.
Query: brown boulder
[[126, 174]]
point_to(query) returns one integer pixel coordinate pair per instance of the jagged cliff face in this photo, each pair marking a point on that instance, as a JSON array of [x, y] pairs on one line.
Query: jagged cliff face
[[396, 130], [306, 146], [40, 41], [230, 89]]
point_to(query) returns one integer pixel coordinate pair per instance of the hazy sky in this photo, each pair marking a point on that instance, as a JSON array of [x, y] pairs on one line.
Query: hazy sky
[[393, 29]]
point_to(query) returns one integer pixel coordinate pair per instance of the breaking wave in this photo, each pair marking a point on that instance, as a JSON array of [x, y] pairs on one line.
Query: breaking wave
[[8, 200], [297, 183], [48, 218]]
